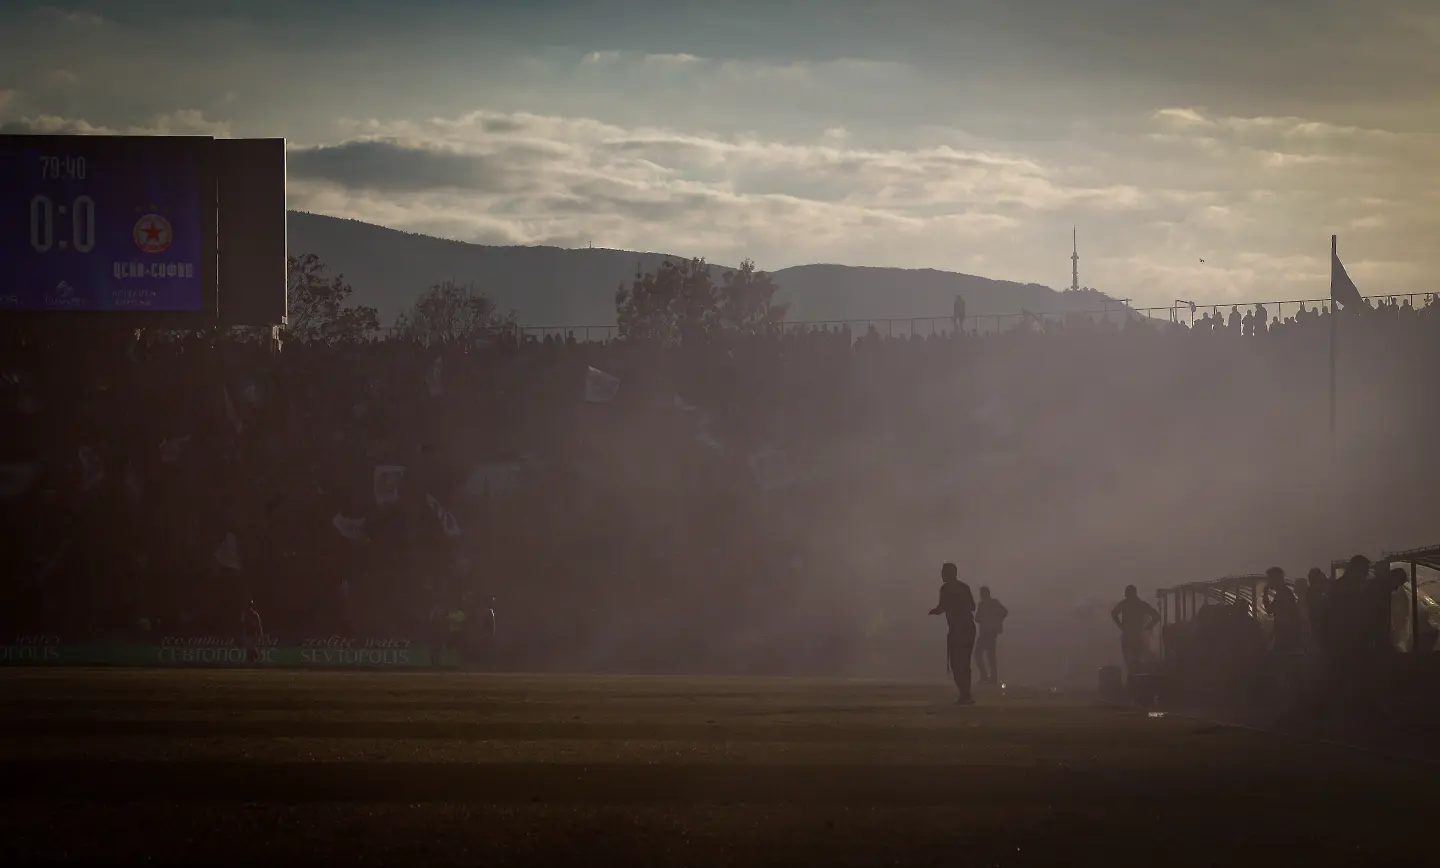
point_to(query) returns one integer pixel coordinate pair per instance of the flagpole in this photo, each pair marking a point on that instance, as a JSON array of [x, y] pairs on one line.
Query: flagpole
[[1333, 314], [1334, 446]]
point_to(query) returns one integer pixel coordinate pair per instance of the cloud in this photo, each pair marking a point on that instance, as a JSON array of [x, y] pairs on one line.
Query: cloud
[[74, 17], [179, 123], [545, 178], [922, 133], [1255, 196]]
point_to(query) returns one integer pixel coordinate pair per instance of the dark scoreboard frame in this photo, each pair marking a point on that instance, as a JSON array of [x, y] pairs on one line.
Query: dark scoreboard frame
[[242, 223]]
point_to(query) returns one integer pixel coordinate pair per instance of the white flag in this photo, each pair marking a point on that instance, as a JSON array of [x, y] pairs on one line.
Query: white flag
[[350, 528], [447, 520], [230, 415], [92, 468], [388, 479], [16, 479], [250, 394], [434, 381], [488, 480], [172, 448], [705, 435], [228, 554], [772, 470], [600, 387], [682, 406]]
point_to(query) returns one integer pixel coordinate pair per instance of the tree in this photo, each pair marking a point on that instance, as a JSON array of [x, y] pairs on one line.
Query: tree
[[747, 301], [681, 301], [316, 310], [448, 312]]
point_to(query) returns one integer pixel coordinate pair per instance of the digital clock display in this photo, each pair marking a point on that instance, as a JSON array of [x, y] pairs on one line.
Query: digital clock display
[[110, 223]]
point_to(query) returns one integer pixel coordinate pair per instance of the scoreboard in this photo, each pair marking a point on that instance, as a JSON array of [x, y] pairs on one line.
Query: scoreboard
[[143, 230], [107, 223]]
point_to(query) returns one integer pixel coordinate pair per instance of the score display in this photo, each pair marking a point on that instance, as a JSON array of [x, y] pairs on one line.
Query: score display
[[107, 223]]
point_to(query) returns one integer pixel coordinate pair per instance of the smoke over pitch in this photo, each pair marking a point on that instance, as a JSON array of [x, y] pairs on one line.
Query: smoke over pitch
[[1054, 467]]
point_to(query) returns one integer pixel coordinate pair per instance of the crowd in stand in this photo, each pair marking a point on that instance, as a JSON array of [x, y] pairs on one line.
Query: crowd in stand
[[753, 503]]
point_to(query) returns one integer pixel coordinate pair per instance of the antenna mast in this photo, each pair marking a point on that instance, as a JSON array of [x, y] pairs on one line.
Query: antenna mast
[[1074, 260]]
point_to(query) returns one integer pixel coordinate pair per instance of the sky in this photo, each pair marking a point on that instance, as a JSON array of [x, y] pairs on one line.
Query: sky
[[966, 135]]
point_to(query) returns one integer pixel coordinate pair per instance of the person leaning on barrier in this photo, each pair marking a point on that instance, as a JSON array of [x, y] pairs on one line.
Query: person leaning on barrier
[[1284, 610]]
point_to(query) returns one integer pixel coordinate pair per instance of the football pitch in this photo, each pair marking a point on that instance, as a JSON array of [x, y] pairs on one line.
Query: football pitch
[[104, 767]]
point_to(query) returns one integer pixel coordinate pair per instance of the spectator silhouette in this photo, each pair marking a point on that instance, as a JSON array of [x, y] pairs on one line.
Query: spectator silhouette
[[1135, 618], [989, 624], [957, 604]]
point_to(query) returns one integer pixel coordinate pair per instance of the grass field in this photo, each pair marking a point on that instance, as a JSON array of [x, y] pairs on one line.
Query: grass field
[[282, 768]]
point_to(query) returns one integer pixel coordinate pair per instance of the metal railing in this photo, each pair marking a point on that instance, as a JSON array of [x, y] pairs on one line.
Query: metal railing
[[1182, 313]]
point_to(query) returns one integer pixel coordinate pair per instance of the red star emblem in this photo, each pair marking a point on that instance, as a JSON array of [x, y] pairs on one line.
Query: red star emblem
[[153, 233]]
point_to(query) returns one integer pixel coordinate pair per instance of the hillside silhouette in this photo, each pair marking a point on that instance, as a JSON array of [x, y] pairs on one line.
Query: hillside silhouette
[[556, 286]]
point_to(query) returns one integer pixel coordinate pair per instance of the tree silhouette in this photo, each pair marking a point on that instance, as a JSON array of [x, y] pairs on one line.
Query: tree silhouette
[[448, 312], [681, 302], [317, 311]]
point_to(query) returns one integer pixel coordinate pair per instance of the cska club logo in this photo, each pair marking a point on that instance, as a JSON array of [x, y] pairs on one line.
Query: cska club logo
[[153, 233]]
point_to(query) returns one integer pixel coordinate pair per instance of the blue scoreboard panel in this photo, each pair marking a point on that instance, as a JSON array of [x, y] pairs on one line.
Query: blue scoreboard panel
[[107, 223]]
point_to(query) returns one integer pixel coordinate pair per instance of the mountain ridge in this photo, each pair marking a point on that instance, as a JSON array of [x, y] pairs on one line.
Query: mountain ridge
[[557, 286]]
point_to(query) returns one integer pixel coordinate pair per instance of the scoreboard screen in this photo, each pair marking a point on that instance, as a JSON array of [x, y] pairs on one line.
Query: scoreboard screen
[[107, 223]]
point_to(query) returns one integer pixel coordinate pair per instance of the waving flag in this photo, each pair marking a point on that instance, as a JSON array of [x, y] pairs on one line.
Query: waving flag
[[600, 387], [1342, 289]]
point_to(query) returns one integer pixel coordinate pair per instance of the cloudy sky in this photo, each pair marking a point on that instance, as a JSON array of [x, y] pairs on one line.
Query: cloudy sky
[[967, 135]]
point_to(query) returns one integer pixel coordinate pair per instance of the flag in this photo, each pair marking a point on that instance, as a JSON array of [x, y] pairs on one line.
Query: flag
[[350, 528], [1342, 288], [705, 433], [228, 553], [434, 380], [600, 387], [445, 517], [231, 415], [388, 479], [172, 448]]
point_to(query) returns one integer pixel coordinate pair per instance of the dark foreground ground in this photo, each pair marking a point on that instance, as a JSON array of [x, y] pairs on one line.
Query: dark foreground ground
[[283, 768]]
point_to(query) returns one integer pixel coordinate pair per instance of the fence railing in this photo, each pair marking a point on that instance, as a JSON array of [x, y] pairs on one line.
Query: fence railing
[[1181, 313]]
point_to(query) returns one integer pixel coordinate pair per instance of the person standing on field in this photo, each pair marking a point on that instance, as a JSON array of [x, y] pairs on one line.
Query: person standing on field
[[1135, 618], [957, 604], [989, 624]]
